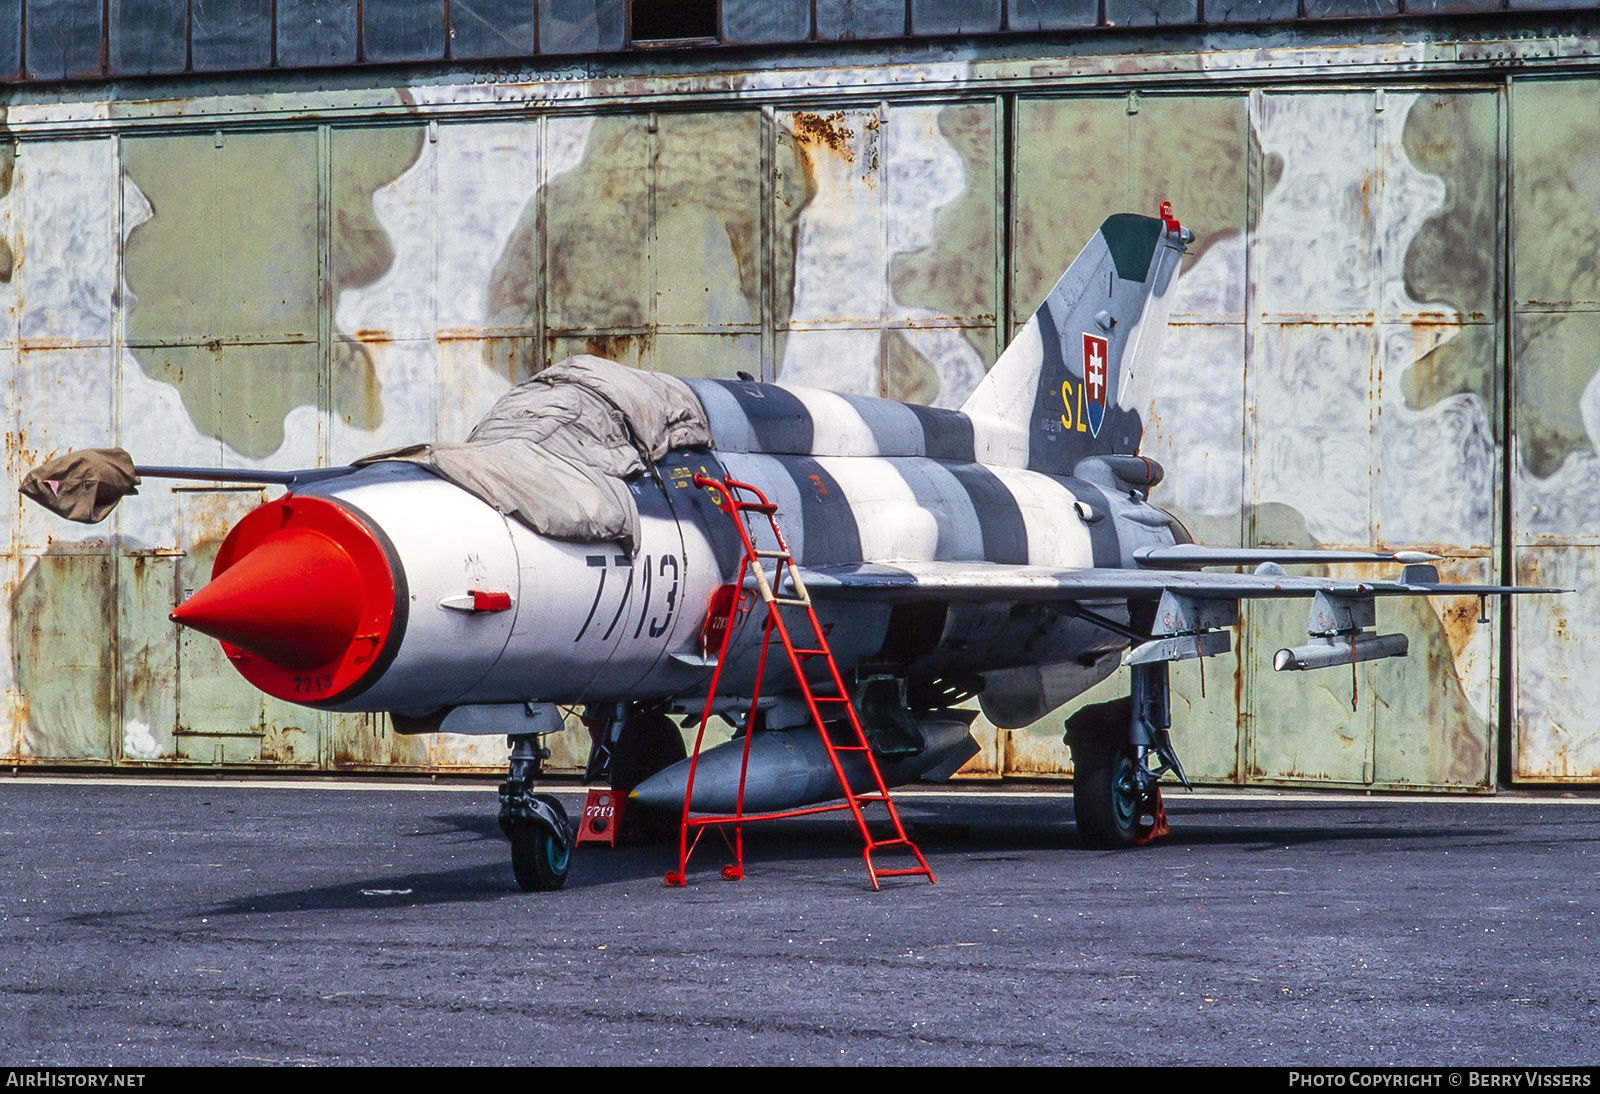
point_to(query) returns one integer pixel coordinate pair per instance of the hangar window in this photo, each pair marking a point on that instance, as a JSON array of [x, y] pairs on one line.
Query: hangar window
[[674, 21]]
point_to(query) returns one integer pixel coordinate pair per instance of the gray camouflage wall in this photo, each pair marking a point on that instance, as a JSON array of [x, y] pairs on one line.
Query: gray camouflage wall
[[1393, 267]]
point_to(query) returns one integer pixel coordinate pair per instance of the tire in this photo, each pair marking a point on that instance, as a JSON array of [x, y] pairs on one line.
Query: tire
[[538, 860], [1105, 799]]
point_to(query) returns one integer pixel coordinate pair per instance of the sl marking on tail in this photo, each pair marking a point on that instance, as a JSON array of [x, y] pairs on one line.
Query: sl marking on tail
[[1066, 408], [1094, 380]]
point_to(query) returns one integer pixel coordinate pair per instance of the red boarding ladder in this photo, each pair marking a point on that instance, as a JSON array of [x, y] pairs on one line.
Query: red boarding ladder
[[732, 502]]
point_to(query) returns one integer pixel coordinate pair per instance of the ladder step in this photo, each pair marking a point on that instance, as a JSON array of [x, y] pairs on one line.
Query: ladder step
[[917, 871], [849, 748], [829, 699], [756, 507], [773, 554], [811, 653], [791, 602]]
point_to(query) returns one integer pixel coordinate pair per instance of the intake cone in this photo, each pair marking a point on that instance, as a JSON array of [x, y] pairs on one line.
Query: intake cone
[[294, 600], [306, 600]]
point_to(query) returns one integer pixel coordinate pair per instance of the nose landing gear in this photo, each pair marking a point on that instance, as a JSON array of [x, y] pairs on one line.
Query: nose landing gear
[[536, 824]]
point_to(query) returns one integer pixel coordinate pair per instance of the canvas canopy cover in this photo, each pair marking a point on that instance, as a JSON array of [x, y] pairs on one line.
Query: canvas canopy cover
[[557, 451]]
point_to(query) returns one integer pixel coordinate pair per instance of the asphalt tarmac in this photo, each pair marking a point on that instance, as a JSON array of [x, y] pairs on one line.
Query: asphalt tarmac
[[353, 922]]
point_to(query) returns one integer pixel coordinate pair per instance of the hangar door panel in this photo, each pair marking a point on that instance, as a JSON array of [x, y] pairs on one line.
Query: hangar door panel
[[1555, 348], [653, 255], [221, 263], [885, 223], [1372, 383]]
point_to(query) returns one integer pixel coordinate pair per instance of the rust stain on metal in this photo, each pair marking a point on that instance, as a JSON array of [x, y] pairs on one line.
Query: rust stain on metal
[[1035, 755], [288, 745], [209, 514], [68, 695], [825, 131], [1460, 622], [618, 347]]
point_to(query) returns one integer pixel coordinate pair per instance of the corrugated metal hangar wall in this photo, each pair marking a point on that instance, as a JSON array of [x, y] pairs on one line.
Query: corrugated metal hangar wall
[[258, 264]]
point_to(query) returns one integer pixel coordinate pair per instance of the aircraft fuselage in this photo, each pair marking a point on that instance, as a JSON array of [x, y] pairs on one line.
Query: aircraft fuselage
[[589, 624]]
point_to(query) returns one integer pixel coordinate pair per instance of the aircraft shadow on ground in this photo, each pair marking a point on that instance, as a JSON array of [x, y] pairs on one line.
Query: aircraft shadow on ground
[[1267, 839], [942, 831], [471, 884]]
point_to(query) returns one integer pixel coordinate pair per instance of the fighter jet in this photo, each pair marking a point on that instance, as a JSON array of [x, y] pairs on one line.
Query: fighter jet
[[570, 554]]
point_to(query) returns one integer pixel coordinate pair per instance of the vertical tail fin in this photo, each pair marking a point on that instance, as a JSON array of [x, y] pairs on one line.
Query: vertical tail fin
[[1073, 381]]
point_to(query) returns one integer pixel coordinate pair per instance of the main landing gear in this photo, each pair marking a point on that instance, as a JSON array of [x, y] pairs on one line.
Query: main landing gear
[[536, 824], [1120, 750], [629, 743]]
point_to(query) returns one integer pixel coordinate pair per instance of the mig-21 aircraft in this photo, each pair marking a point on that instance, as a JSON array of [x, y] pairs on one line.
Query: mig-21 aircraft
[[570, 553]]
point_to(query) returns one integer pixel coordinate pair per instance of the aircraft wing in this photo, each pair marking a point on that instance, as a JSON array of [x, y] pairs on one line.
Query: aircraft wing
[[912, 581], [1188, 556], [1194, 610]]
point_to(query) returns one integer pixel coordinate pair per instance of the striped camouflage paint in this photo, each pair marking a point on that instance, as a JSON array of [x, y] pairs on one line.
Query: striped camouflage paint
[[861, 478]]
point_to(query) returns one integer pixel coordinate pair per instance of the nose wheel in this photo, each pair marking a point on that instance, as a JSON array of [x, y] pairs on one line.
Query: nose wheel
[[539, 859], [1108, 800]]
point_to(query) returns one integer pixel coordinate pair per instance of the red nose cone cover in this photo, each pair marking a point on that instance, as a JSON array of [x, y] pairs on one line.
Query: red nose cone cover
[[295, 600], [302, 598]]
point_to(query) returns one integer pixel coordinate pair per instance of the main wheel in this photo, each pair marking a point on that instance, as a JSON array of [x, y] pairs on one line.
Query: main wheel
[[1106, 801], [537, 858]]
